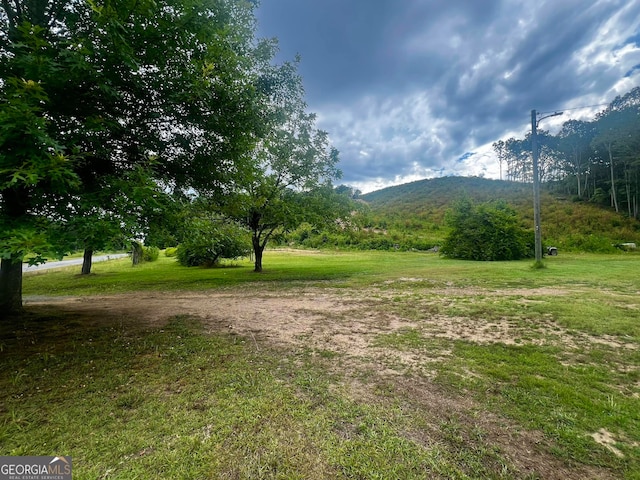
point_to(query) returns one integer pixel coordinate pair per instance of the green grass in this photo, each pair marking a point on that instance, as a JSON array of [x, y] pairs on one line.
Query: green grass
[[175, 403], [165, 274], [342, 269], [562, 399], [178, 402]]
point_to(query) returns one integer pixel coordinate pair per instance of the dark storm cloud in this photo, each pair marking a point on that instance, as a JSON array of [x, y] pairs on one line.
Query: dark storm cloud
[[408, 88], [339, 40]]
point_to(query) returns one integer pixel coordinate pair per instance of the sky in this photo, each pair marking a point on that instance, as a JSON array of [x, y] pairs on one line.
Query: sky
[[414, 89]]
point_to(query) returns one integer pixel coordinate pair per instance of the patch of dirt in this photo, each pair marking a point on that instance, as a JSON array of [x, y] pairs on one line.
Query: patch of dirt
[[606, 439], [450, 288], [324, 320]]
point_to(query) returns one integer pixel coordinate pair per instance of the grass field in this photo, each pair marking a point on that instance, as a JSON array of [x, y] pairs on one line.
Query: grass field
[[330, 365]]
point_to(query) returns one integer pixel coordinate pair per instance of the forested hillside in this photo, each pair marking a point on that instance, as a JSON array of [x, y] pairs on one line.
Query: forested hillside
[[419, 209], [429, 199], [413, 216], [597, 160]]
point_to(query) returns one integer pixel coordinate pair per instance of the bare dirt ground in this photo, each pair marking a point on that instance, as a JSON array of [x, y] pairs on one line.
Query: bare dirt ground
[[326, 320]]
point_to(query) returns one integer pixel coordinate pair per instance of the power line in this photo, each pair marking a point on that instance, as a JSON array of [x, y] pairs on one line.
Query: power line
[[575, 108]]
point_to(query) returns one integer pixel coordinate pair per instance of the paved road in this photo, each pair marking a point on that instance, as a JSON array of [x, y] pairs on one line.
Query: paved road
[[72, 261]]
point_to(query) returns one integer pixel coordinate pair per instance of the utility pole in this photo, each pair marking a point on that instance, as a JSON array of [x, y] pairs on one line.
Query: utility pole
[[536, 186], [536, 182]]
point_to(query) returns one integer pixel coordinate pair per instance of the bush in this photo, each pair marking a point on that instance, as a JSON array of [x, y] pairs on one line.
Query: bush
[[170, 251], [302, 234], [600, 197], [309, 237], [150, 254], [488, 232], [589, 243], [378, 242], [210, 240]]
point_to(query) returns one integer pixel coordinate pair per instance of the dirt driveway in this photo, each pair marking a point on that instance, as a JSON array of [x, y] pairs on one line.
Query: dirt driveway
[[321, 318]]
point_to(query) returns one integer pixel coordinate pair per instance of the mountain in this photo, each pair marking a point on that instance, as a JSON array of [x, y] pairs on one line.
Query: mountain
[[439, 193], [421, 206]]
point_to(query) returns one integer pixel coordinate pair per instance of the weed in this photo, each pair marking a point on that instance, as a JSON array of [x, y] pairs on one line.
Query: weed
[[538, 265]]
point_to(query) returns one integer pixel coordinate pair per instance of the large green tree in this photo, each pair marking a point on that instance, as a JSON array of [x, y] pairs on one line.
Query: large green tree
[[574, 143], [294, 165], [290, 185], [93, 90], [32, 165], [115, 213], [616, 138]]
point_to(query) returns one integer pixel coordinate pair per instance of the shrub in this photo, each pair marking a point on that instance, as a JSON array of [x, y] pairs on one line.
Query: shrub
[[303, 233], [170, 251], [489, 231], [210, 240], [150, 254], [589, 243], [378, 242], [600, 197]]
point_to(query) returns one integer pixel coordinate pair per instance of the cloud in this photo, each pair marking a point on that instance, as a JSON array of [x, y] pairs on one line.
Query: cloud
[[409, 88]]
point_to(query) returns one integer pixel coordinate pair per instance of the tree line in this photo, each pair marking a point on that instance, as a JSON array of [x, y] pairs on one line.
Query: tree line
[[116, 114], [597, 160]]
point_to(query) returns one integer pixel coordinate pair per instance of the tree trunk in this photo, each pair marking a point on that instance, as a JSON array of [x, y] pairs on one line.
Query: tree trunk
[[258, 249], [614, 198], [10, 286], [15, 202], [136, 254], [627, 186], [578, 158], [585, 191], [86, 261], [635, 195]]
